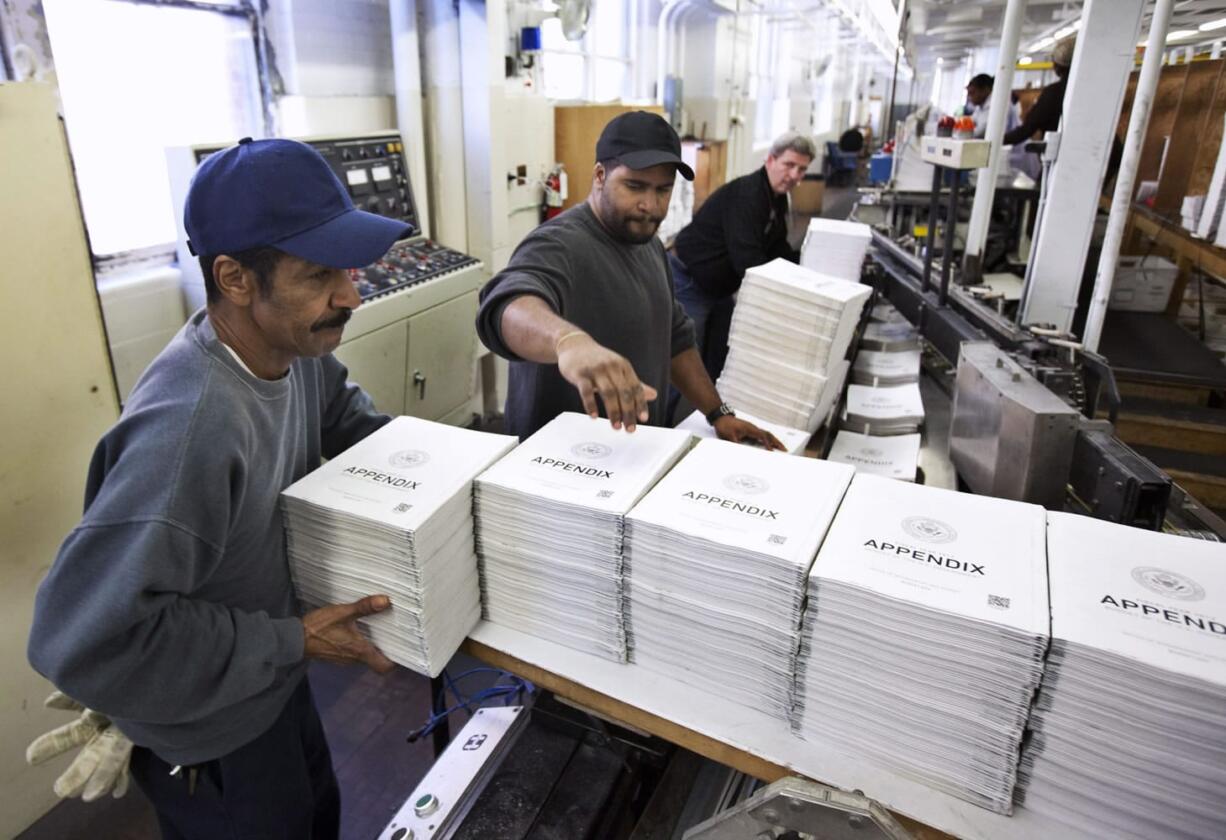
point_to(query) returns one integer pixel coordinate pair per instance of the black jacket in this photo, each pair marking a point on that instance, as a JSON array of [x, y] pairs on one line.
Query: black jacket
[[743, 224]]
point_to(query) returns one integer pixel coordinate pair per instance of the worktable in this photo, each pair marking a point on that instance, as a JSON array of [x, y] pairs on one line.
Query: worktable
[[742, 738]]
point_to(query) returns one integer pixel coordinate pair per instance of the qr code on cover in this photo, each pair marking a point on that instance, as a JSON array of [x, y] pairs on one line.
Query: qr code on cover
[[604, 494], [776, 539], [998, 601], [403, 507]]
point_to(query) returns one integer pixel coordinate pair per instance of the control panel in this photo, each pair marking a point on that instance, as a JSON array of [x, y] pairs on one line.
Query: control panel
[[407, 264]]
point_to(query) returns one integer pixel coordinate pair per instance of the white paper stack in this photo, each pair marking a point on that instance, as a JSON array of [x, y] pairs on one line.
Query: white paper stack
[[718, 557], [1130, 729], [836, 248], [895, 456], [894, 410], [393, 515], [793, 440], [923, 640], [875, 367], [550, 519], [1190, 211], [788, 343], [889, 336]]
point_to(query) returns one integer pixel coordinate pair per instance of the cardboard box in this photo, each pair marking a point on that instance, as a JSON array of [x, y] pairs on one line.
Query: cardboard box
[[807, 195], [1142, 284]]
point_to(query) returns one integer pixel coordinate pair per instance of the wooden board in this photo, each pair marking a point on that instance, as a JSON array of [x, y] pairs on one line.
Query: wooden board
[[1161, 120], [1187, 135], [576, 128], [710, 167], [1209, 141]]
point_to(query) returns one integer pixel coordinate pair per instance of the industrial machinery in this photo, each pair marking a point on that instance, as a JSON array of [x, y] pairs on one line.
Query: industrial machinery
[[411, 344], [1010, 436]]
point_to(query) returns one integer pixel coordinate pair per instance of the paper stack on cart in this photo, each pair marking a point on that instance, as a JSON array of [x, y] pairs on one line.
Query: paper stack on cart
[[836, 248], [788, 343], [924, 636], [1129, 733], [794, 440], [550, 519], [718, 557], [888, 410], [874, 368], [392, 515]]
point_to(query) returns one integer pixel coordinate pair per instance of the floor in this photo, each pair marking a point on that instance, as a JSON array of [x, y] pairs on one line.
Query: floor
[[366, 717]]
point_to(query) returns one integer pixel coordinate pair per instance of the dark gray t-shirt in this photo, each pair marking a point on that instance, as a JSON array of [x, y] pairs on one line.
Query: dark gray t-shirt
[[620, 294]]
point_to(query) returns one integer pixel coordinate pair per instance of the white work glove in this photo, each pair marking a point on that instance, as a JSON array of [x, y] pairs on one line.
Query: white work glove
[[102, 764]]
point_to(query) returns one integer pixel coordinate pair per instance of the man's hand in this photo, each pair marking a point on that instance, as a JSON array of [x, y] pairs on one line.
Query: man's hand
[[332, 634], [741, 431], [596, 370], [102, 764]]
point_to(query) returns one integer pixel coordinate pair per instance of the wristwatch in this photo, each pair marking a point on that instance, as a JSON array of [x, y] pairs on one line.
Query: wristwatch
[[723, 410]]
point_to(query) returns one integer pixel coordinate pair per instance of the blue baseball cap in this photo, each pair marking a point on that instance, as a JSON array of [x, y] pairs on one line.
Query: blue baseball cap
[[283, 194]]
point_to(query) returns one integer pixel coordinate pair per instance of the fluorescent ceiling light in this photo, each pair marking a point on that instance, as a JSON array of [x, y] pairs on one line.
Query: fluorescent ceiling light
[[1024, 60], [1179, 34], [1039, 46], [1212, 25], [1065, 32]]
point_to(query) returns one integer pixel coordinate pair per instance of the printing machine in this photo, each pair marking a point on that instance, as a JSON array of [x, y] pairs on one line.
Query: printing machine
[[1024, 408]]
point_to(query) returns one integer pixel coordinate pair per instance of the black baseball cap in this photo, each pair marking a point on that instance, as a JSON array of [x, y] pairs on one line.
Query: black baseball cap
[[641, 140]]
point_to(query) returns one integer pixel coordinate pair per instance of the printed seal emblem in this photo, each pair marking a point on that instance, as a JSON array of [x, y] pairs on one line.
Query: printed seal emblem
[[929, 530], [871, 452], [750, 485], [1167, 583], [591, 450], [406, 459]]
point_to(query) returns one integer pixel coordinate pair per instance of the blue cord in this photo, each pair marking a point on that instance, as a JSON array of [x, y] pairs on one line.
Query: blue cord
[[510, 694]]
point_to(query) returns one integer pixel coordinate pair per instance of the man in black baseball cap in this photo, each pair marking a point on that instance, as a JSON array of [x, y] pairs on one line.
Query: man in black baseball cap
[[170, 608], [585, 310]]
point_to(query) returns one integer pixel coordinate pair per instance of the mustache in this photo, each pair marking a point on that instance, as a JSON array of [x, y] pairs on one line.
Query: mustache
[[338, 320]]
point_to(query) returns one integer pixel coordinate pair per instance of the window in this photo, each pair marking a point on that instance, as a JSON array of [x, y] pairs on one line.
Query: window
[[135, 78], [594, 68]]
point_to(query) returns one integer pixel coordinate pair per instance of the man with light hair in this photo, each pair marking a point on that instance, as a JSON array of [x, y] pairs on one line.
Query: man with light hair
[[742, 224]]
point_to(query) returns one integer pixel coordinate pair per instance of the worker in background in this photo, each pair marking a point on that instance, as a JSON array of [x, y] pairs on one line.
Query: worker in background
[[979, 98], [585, 310], [170, 606], [1045, 114], [743, 224]]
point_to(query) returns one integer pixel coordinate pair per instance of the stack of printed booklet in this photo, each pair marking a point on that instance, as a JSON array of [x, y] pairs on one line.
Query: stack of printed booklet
[[886, 410], [719, 556], [885, 367], [889, 336], [1130, 729], [836, 248], [892, 456], [794, 440], [924, 636], [787, 348], [392, 515], [550, 519]]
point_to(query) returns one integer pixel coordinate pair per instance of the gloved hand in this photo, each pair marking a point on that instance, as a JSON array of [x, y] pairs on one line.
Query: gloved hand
[[102, 764]]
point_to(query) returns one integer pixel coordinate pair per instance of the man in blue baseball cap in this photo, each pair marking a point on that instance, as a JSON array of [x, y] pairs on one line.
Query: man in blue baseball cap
[[586, 311], [170, 608]]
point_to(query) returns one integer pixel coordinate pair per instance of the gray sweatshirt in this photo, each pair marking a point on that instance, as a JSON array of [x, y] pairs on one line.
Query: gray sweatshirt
[[170, 606], [622, 295]]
